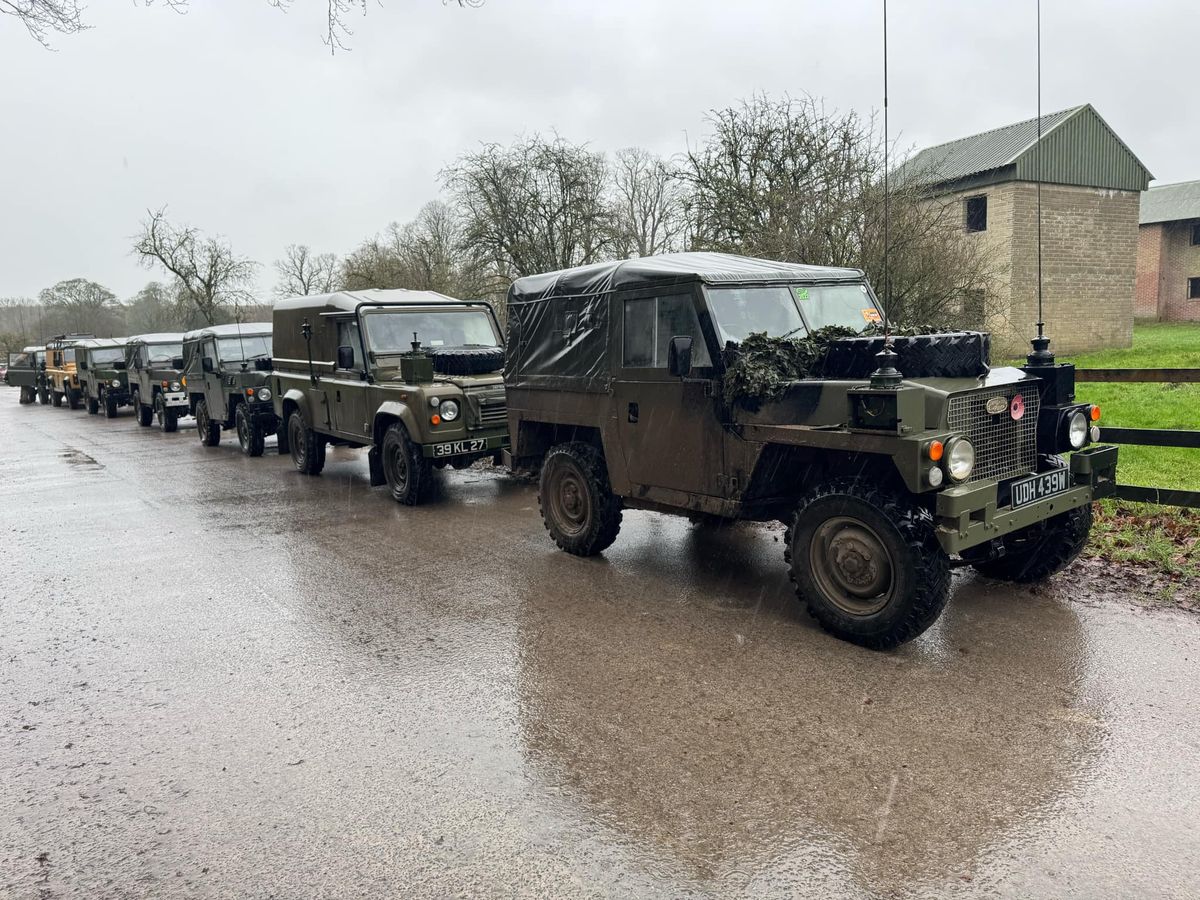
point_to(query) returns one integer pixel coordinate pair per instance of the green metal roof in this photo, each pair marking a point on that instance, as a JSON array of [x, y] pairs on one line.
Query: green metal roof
[[1078, 147], [1171, 202]]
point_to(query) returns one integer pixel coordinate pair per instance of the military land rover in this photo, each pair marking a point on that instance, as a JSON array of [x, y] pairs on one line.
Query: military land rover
[[62, 377], [413, 375], [103, 378], [228, 373], [27, 371], [615, 377], [157, 387]]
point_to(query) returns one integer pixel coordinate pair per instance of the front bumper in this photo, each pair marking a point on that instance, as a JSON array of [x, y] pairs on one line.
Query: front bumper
[[967, 516], [175, 398]]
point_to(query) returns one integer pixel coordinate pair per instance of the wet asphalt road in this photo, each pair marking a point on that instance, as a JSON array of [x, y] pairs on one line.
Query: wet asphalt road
[[220, 678]]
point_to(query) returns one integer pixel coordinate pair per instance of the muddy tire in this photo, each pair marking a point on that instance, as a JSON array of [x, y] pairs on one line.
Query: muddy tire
[[210, 431], [866, 563], [249, 432], [307, 447], [578, 506], [110, 406], [145, 415], [93, 406], [409, 474]]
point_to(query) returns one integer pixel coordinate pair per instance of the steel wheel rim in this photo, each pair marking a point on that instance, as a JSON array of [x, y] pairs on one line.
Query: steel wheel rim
[[296, 439], [243, 429], [570, 502], [397, 466], [852, 566]]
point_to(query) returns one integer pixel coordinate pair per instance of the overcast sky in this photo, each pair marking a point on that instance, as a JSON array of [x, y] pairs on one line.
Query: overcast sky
[[236, 117]]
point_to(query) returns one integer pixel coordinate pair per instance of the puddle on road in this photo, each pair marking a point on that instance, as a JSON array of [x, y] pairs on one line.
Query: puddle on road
[[78, 459]]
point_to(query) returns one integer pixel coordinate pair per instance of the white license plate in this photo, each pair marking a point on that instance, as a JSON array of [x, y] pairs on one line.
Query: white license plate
[[1038, 487], [453, 448]]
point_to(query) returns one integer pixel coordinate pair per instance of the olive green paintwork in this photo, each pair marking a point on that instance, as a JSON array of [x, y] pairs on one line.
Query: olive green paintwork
[[671, 444], [102, 383], [355, 406], [149, 377], [24, 368], [226, 381]]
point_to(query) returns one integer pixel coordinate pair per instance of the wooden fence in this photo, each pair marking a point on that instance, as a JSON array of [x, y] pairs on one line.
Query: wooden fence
[[1149, 437]]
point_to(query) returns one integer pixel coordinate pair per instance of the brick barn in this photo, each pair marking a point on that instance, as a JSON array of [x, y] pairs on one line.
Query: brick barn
[[1091, 189], [1168, 261]]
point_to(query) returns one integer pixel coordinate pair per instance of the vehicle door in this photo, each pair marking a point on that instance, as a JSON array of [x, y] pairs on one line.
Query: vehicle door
[[346, 388], [217, 382], [668, 427]]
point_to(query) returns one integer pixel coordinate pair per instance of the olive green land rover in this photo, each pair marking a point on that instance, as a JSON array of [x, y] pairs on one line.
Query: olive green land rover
[[27, 371], [158, 389], [616, 378], [413, 375], [228, 374], [103, 378]]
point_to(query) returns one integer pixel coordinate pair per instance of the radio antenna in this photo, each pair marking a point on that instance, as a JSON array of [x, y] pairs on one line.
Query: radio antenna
[[1041, 355], [887, 195]]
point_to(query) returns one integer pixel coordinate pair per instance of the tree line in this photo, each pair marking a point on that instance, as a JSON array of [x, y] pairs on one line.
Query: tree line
[[781, 179]]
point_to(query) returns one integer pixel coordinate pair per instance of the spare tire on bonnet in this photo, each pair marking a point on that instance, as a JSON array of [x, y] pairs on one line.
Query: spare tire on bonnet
[[466, 360], [955, 354]]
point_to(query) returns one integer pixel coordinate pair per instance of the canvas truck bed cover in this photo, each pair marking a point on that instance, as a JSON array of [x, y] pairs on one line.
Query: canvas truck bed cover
[[558, 321]]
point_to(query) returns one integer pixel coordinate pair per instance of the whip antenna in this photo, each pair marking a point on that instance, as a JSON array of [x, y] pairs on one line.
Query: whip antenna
[[1041, 355], [887, 196]]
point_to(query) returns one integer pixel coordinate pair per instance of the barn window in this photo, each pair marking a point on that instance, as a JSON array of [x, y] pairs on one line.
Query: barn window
[[1194, 288], [977, 213], [1195, 234]]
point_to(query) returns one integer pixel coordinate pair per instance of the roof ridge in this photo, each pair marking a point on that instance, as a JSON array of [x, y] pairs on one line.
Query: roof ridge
[[979, 134]]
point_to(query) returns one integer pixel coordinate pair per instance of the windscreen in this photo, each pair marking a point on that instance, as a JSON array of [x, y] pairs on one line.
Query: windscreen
[[163, 353], [247, 347], [107, 354], [775, 310], [392, 332], [69, 355], [20, 360]]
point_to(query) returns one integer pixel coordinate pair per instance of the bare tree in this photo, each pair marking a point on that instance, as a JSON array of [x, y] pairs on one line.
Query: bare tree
[[786, 179], [648, 201], [302, 272], [157, 307], [535, 206], [210, 276], [81, 306]]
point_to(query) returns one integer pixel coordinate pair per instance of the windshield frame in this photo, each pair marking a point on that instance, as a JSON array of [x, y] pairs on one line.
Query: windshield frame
[[150, 353], [217, 340], [366, 310], [805, 320], [93, 361]]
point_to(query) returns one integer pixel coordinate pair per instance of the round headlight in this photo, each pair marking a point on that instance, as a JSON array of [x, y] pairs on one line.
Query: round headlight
[[175, 386], [960, 459], [1077, 429], [116, 382], [264, 393], [448, 410]]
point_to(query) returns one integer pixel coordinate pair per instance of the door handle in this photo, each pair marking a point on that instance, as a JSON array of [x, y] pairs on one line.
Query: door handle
[[633, 413]]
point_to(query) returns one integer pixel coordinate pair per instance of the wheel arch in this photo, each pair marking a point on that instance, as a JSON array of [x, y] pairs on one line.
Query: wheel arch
[[388, 414]]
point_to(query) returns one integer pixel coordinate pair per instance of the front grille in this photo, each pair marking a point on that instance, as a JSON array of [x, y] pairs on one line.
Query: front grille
[[1004, 448], [487, 409]]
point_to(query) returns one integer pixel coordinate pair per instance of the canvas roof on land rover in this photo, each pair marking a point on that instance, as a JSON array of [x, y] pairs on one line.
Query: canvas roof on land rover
[[245, 329], [348, 301]]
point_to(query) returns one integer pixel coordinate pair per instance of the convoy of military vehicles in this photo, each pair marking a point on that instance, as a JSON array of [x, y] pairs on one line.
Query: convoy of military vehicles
[[893, 460]]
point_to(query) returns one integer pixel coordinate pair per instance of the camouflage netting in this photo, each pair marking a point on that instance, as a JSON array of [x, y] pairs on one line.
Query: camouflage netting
[[760, 368]]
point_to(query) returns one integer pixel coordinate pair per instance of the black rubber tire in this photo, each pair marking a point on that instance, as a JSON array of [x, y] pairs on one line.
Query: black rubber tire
[[959, 354], [210, 431], [920, 577], [249, 432], [1035, 553], [307, 447], [110, 406], [579, 471], [466, 360], [43, 396], [409, 474], [145, 415], [73, 398], [93, 406], [168, 417], [28, 395], [56, 399]]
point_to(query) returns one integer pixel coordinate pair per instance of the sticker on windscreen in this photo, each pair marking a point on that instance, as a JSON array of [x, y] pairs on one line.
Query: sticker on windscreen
[[801, 293], [871, 315]]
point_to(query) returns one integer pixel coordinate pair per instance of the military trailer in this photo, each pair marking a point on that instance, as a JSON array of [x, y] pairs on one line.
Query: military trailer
[[886, 480], [103, 378], [412, 375], [228, 373], [62, 377], [157, 387], [26, 370]]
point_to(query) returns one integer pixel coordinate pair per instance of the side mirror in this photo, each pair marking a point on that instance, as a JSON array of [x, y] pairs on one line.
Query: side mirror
[[679, 356], [206, 364], [345, 357], [177, 362], [119, 365]]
